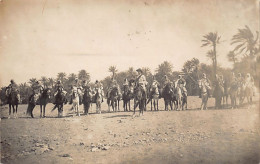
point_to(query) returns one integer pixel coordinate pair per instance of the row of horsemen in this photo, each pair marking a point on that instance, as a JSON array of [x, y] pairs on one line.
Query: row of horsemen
[[154, 91]]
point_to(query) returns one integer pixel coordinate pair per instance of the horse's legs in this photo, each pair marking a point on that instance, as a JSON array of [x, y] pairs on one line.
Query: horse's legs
[[13, 110], [41, 110], [16, 108], [10, 110], [118, 105], [129, 105], [151, 105]]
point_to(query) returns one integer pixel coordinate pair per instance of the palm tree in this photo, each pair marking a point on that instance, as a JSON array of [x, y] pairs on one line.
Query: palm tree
[[232, 57], [71, 79], [32, 81], [61, 76], [131, 73], [44, 81], [246, 42], [212, 39], [83, 75], [113, 70], [210, 55]]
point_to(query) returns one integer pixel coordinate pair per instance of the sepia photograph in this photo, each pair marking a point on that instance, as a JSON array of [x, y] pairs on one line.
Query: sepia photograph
[[129, 81]]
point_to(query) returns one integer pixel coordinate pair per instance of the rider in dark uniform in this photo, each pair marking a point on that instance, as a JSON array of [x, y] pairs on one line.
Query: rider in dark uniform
[[12, 87], [58, 87], [37, 89]]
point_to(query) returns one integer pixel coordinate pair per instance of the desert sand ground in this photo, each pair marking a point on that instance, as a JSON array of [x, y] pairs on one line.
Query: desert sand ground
[[191, 136]]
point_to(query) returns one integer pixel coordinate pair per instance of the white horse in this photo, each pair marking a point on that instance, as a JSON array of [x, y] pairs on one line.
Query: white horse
[[204, 94], [75, 102]]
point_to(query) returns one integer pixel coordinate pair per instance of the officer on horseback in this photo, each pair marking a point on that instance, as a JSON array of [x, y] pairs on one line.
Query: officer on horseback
[[12, 87], [205, 82], [37, 89], [76, 87], [155, 85], [166, 81], [181, 82], [58, 88], [141, 80], [98, 86]]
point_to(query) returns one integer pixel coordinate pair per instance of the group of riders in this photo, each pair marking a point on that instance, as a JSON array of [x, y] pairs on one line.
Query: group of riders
[[79, 87]]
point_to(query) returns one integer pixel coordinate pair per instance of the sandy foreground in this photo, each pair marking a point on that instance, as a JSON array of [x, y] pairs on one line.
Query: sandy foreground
[[192, 136]]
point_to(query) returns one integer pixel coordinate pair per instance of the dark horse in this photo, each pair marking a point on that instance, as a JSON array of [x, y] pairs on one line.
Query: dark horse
[[127, 96], [168, 96], [41, 100], [87, 99], [60, 99], [113, 99], [140, 99], [12, 100], [153, 97]]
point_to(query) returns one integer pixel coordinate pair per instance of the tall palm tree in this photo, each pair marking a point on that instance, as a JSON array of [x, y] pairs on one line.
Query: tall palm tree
[[246, 42], [113, 70], [210, 55], [212, 39], [232, 57]]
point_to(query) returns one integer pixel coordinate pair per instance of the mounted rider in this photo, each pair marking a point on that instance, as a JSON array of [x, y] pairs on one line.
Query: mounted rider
[[37, 89], [12, 87], [76, 87], [181, 83], [141, 81], [249, 80], [155, 86], [59, 88], [204, 82], [240, 79], [113, 84], [98, 87]]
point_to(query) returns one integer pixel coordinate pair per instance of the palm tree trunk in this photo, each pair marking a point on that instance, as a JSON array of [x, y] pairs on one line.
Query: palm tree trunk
[[215, 57]]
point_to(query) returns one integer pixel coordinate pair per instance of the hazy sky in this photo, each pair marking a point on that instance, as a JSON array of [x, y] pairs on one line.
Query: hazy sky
[[44, 37]]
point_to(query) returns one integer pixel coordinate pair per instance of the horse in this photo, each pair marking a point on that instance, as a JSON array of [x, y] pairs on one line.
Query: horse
[[154, 97], [112, 100], [225, 94], [179, 97], [98, 100], [43, 100], [233, 92], [184, 101], [75, 102], [13, 101], [204, 94], [87, 99], [168, 96], [33, 100], [60, 100], [249, 91], [126, 97], [218, 94], [39, 99], [139, 98]]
